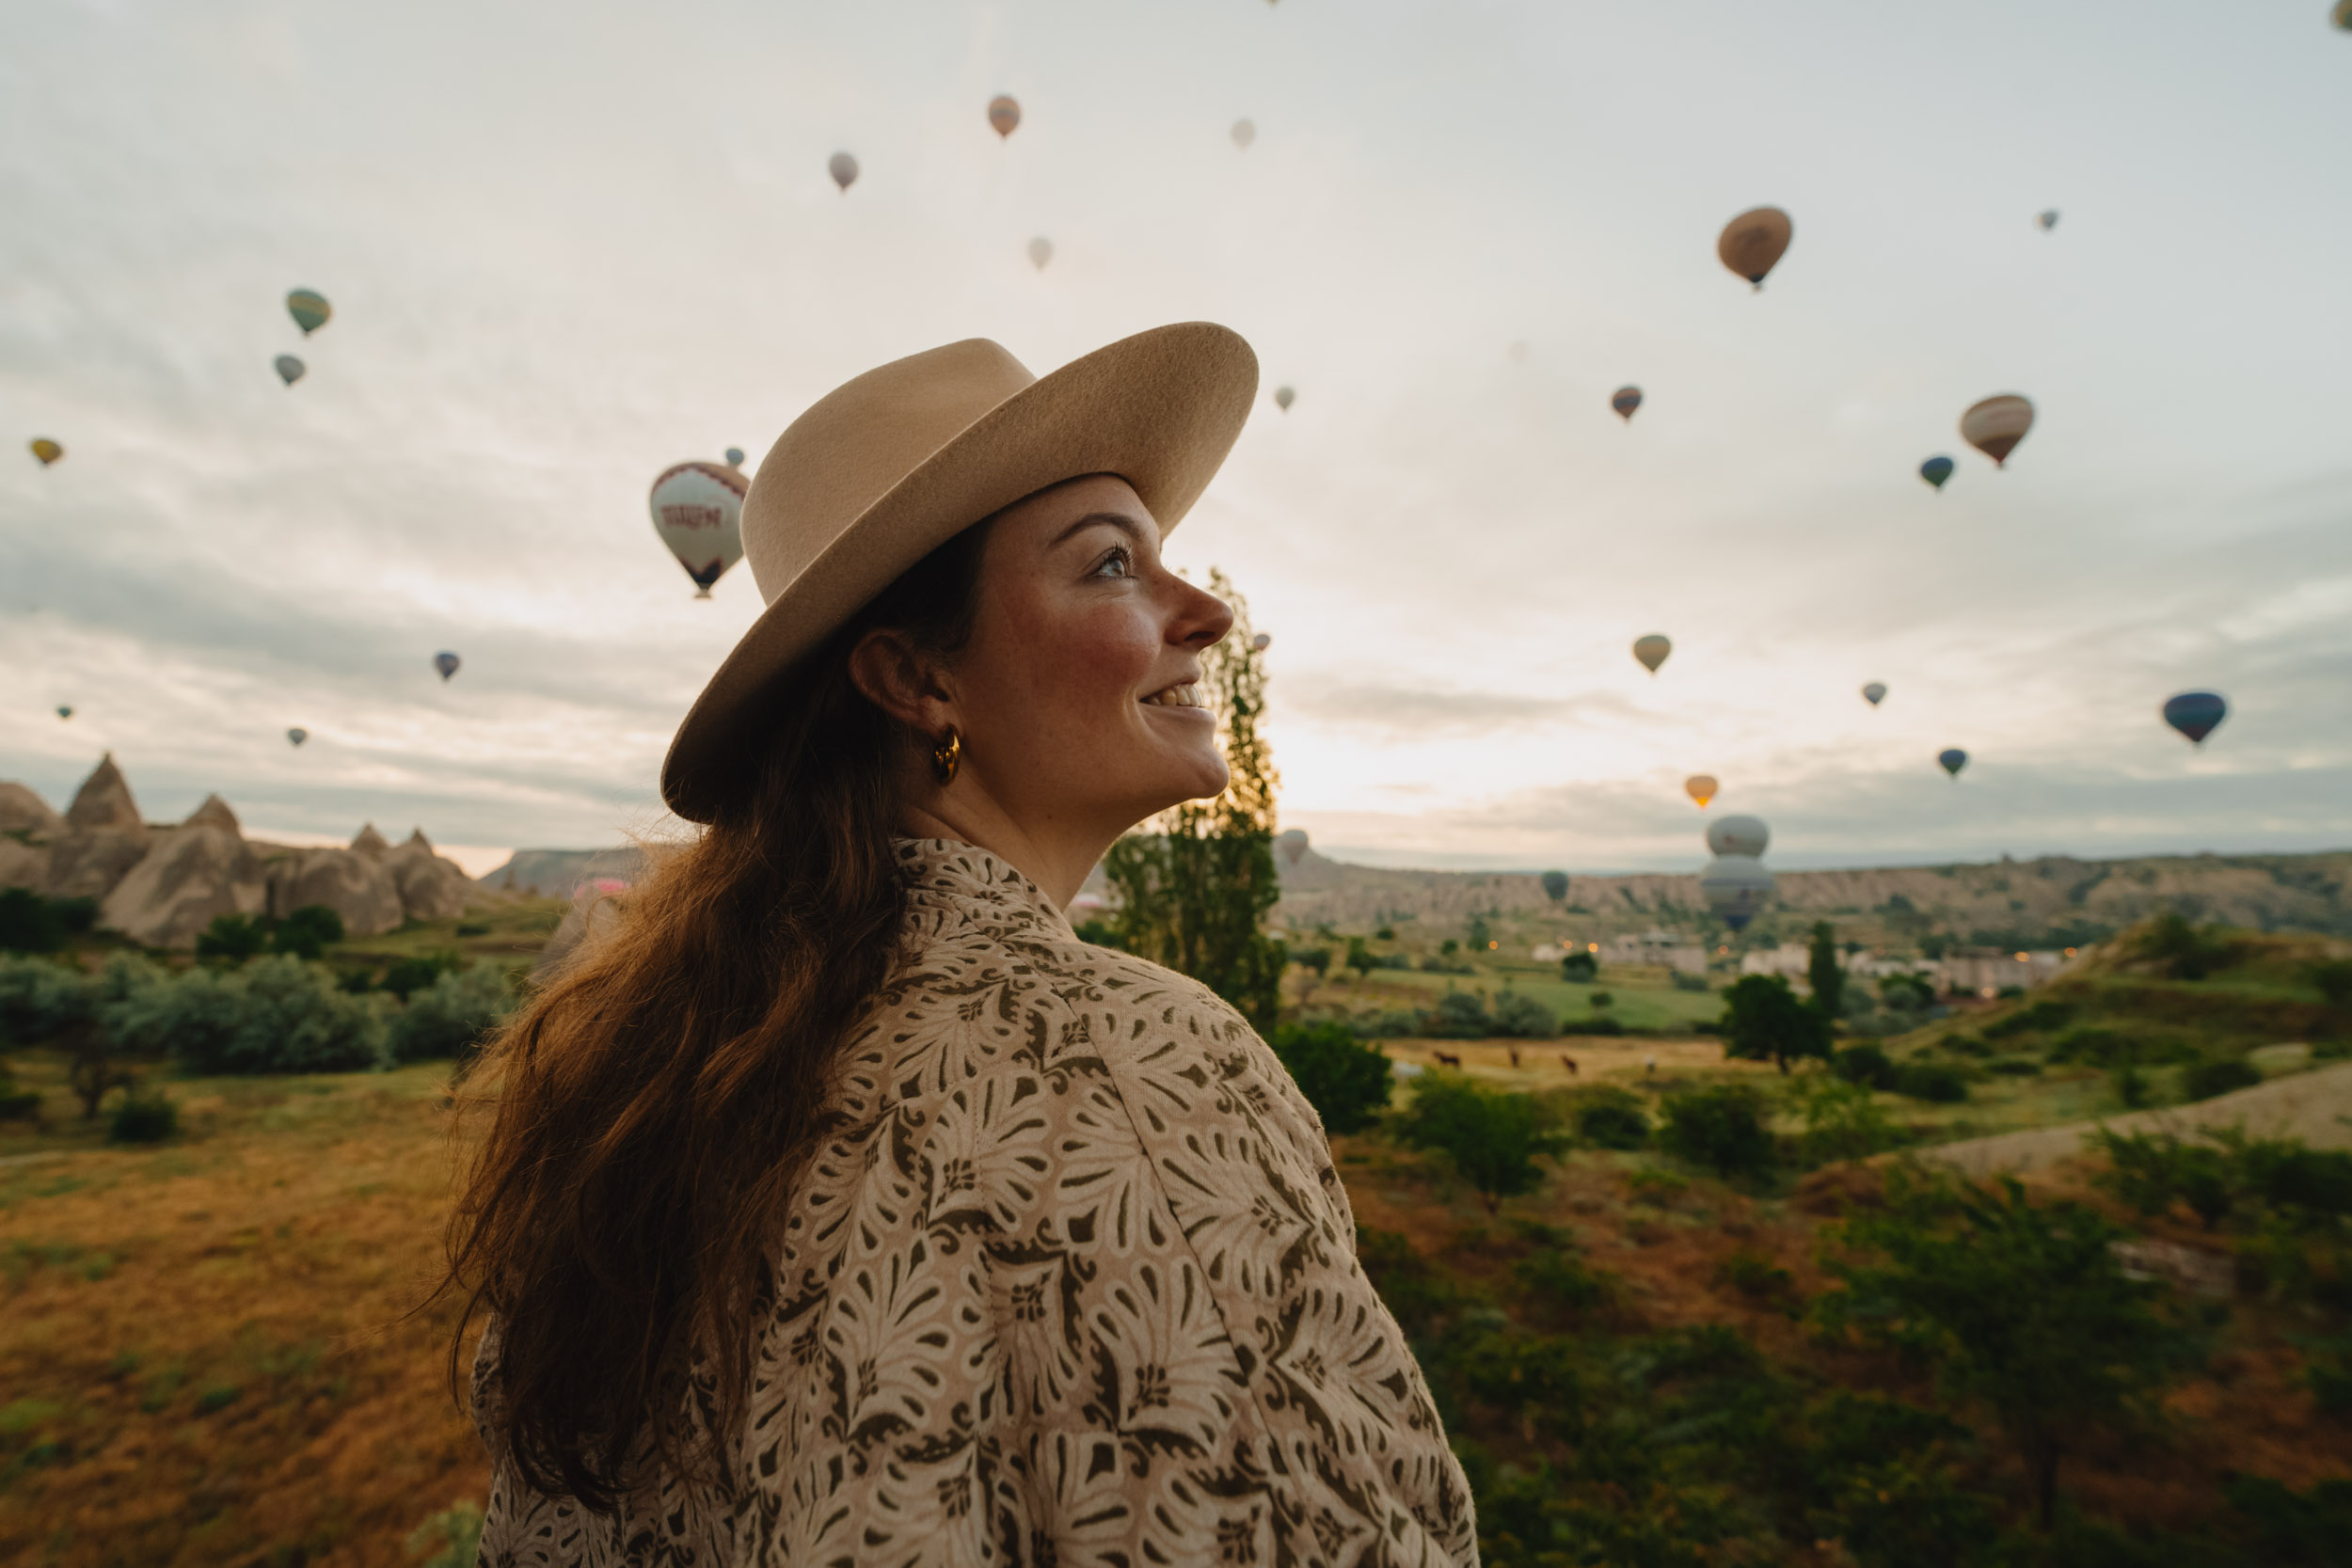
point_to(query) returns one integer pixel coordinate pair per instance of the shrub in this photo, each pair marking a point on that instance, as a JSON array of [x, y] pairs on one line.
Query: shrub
[[1720, 1128], [1763, 1021], [40, 999], [1864, 1064], [308, 931], [27, 922], [144, 1119], [1682, 981], [1601, 999], [1460, 1015], [2333, 978], [1580, 968], [277, 1014], [473, 928], [234, 937], [2180, 949], [1933, 1082], [1315, 958], [1612, 1118], [449, 1017], [1493, 1138], [1603, 1024], [1522, 1017], [2214, 1075], [1359, 957], [413, 974], [1347, 1081], [1842, 1121]]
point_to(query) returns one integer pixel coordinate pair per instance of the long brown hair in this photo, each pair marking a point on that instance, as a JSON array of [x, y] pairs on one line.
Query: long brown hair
[[652, 1107]]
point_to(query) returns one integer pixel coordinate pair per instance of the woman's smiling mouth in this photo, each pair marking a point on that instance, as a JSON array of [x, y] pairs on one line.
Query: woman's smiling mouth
[[1183, 694]]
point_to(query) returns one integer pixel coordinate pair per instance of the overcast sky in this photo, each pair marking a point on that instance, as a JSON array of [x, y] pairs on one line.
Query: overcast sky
[[568, 244]]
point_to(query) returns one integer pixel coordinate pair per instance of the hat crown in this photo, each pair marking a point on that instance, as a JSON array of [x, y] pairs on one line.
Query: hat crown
[[857, 442]]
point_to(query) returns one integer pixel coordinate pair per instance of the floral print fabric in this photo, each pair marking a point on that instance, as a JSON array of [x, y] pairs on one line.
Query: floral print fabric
[[1074, 1282]]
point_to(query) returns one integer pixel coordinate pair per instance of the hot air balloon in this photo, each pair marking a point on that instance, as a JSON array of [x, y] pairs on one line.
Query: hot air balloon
[[1935, 470], [1292, 843], [1284, 397], [290, 370], [2344, 15], [698, 512], [844, 170], [1994, 426], [1625, 400], [2047, 220], [1875, 693], [1261, 642], [46, 449], [1040, 252], [447, 663], [1003, 114], [1753, 243], [2196, 714], [309, 309], [1244, 133], [1652, 650], [296, 735], [735, 457], [64, 710], [1736, 888], [1738, 835], [1952, 760], [1700, 787]]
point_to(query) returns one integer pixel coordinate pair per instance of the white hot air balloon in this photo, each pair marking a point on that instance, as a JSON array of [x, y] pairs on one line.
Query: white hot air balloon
[[1738, 835], [1040, 252], [1736, 888], [1292, 843], [698, 512], [1244, 133]]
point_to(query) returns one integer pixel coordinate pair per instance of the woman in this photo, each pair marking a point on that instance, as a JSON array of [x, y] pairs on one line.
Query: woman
[[844, 1206]]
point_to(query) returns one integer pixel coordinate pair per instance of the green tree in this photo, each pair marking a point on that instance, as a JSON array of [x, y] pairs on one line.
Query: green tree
[[1346, 1081], [2018, 1304], [1555, 886], [1193, 895], [1493, 1138], [1720, 1128], [234, 937], [1822, 969], [1763, 1021], [27, 923], [308, 932], [1580, 968], [1480, 933]]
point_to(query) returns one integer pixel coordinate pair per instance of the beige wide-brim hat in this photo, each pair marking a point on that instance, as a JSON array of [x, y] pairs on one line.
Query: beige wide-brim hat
[[884, 469]]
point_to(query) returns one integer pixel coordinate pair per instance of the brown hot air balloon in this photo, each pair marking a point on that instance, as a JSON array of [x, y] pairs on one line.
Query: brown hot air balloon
[[46, 449], [1003, 114], [1652, 650], [1753, 244], [1994, 426], [1700, 787]]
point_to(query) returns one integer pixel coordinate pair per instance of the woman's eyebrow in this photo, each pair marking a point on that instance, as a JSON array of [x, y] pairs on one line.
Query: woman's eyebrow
[[1119, 521]]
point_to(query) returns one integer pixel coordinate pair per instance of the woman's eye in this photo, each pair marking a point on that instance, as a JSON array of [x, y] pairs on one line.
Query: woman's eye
[[1120, 563]]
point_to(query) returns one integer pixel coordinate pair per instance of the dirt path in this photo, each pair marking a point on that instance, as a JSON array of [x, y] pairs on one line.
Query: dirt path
[[2315, 1107]]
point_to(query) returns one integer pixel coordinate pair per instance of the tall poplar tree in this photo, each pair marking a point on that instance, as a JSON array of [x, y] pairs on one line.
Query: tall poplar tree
[[1194, 884]]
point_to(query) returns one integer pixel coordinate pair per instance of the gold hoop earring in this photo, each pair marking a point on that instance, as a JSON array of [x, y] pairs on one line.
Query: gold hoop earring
[[947, 756]]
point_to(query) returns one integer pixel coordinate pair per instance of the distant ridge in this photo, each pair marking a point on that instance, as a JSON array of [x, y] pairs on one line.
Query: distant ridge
[[556, 873]]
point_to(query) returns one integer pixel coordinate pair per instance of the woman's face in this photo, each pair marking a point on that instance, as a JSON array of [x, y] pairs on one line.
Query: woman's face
[[1078, 695]]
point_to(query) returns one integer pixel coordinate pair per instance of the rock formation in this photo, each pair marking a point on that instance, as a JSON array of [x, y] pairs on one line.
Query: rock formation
[[194, 874], [162, 886]]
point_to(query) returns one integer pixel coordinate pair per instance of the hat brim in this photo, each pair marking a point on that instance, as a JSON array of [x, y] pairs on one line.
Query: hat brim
[[1160, 409]]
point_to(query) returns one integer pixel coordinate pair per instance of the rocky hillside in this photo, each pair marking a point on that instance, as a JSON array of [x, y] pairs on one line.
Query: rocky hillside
[[161, 884], [2056, 899]]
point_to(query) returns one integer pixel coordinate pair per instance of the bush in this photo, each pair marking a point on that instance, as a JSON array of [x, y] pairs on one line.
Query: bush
[[1522, 1017], [1682, 981], [2040, 1016], [277, 1014], [1493, 1138], [1841, 1121], [410, 975], [1580, 968], [144, 1119], [308, 931], [2180, 949], [2333, 979], [234, 937], [1460, 1015], [1347, 1081], [1612, 1118], [40, 999], [1720, 1128], [27, 923], [449, 1017], [1601, 999], [1315, 958], [1933, 1082], [2218, 1075], [1864, 1064], [1603, 1024]]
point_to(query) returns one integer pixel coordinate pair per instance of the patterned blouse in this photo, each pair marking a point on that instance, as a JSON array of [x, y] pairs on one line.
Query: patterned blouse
[[1073, 1283]]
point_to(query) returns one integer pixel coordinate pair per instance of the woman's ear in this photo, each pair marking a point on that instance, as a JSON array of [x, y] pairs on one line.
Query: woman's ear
[[898, 678]]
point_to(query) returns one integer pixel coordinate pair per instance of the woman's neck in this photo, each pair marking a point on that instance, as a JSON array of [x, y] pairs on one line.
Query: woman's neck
[[1058, 863]]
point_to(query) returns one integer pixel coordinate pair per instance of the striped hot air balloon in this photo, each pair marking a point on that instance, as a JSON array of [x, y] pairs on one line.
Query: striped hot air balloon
[[309, 309], [1003, 114], [1625, 400], [1995, 426]]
